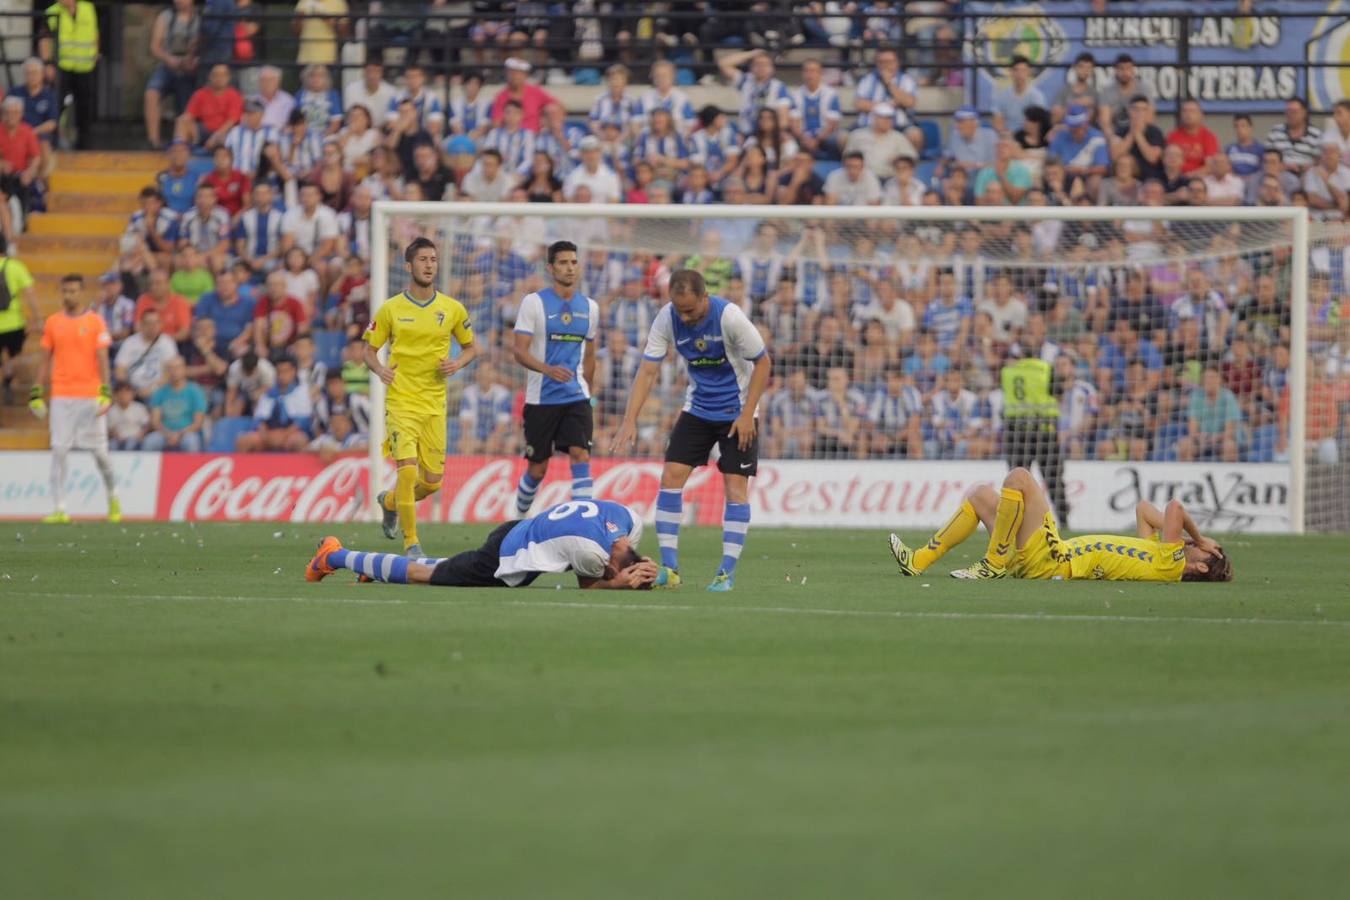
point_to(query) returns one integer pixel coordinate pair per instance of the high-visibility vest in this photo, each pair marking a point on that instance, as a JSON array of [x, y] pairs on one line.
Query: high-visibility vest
[[76, 36], [1026, 390]]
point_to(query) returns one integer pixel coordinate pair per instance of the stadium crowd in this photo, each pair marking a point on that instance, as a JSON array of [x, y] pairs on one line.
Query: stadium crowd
[[242, 286]]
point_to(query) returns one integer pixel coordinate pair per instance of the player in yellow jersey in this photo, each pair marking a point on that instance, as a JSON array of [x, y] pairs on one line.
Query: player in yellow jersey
[[418, 325], [1024, 542]]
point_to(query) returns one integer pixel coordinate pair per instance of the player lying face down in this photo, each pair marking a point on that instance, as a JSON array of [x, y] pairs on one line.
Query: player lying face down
[[1024, 542], [597, 540]]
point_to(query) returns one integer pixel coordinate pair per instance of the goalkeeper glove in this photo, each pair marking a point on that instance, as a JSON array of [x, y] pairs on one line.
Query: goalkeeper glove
[[104, 398], [36, 403]]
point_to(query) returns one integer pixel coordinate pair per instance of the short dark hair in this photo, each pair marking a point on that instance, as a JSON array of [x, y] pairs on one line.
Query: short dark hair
[[73, 278], [853, 154], [1218, 566], [152, 192], [515, 103], [1018, 58], [560, 247], [686, 281], [1242, 117], [1085, 56], [1300, 101], [492, 151], [418, 243]]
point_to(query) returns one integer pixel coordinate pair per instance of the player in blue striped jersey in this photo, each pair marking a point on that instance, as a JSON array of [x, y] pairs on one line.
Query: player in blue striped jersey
[[555, 341], [596, 540], [728, 368]]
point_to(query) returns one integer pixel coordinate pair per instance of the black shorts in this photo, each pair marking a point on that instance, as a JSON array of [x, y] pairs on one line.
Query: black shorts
[[11, 342], [477, 568], [692, 440], [558, 426]]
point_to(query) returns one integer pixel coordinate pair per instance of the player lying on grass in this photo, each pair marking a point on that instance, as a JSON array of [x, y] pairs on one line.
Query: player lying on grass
[[596, 539], [1024, 542]]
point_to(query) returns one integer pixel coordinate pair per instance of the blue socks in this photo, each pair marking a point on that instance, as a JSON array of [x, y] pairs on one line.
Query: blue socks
[[581, 481], [525, 492], [735, 524], [389, 567], [669, 512]]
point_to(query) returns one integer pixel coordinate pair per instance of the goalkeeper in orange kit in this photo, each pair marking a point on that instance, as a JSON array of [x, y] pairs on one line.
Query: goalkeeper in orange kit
[[1024, 542]]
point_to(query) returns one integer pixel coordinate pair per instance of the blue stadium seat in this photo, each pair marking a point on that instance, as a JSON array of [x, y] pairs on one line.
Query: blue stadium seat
[[586, 77], [825, 167], [226, 431], [328, 347], [925, 171], [932, 139], [200, 165]]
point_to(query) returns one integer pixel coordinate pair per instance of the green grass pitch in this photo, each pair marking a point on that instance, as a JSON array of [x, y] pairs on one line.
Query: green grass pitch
[[181, 715]]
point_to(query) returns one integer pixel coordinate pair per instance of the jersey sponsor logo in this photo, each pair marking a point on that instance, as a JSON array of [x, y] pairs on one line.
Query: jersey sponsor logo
[[567, 338], [1179, 554], [401, 319], [708, 362]]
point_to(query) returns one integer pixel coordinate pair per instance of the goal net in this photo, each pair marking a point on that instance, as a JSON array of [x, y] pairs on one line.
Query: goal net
[[1196, 353]]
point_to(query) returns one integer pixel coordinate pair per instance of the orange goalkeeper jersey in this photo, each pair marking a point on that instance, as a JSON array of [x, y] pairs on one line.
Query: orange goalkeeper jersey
[[74, 342]]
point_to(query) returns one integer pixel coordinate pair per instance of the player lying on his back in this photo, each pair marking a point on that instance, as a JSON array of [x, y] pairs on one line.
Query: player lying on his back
[[596, 539], [1024, 542]]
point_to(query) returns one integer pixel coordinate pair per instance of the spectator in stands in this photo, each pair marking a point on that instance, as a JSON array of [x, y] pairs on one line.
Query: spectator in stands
[[371, 91], [601, 182], [257, 234], [233, 317], [1011, 175], [248, 139], [178, 184], [358, 138], [1222, 186], [116, 309], [313, 228], [1006, 310], [1009, 102], [1245, 152], [248, 378], [319, 25], [338, 401], [278, 318], [531, 97], [1123, 188], [799, 185], [485, 425], [1297, 140], [20, 153], [283, 414], [1175, 182], [1327, 184], [959, 430], [879, 142], [206, 226], [948, 318], [560, 139], [405, 133], [172, 312], [758, 87], [895, 418], [887, 84], [1141, 138], [488, 181], [213, 110], [173, 45], [514, 143], [970, 146], [1336, 130], [1114, 99], [191, 277], [1196, 141], [1139, 306], [319, 100], [128, 419], [816, 114], [853, 184], [663, 94], [904, 189], [1082, 149], [470, 112], [1213, 418], [614, 104], [542, 184], [277, 104], [232, 187], [894, 314], [18, 318], [791, 418], [205, 366], [1285, 182], [40, 109], [840, 411], [142, 358], [1080, 89]]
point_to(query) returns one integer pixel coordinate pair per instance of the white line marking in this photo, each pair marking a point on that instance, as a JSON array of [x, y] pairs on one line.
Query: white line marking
[[936, 615]]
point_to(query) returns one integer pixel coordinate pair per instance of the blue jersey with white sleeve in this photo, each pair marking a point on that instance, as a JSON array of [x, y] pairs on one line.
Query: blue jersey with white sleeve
[[559, 330], [720, 353], [578, 535]]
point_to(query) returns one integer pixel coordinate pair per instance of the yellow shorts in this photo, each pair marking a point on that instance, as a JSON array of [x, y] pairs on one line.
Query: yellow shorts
[[1039, 557], [416, 435]]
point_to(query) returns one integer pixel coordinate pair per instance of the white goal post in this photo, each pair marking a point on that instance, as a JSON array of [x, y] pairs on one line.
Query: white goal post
[[1292, 222]]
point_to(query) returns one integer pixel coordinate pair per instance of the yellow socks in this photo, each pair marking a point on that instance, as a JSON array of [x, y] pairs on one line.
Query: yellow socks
[[425, 488], [961, 526], [1003, 539], [405, 501]]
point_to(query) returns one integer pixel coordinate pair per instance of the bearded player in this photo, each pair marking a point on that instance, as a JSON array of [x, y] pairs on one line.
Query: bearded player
[[595, 539], [1024, 542], [418, 325]]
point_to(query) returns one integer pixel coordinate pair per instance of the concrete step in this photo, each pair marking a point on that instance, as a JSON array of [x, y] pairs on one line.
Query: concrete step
[[94, 204], [90, 265], [45, 224], [46, 244], [116, 182], [99, 161]]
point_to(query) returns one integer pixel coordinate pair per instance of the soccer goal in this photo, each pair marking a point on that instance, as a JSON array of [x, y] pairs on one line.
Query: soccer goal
[[1201, 353]]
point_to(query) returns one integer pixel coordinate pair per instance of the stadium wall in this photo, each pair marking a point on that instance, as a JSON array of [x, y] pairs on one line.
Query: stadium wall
[[792, 493]]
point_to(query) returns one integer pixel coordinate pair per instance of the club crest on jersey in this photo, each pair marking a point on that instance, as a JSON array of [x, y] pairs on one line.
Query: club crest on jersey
[[566, 318], [611, 527], [701, 344]]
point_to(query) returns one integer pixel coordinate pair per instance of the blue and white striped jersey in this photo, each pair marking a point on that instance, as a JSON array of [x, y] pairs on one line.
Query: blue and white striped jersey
[[578, 535], [247, 146], [620, 110], [559, 330], [815, 111], [676, 103], [719, 352], [516, 147]]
